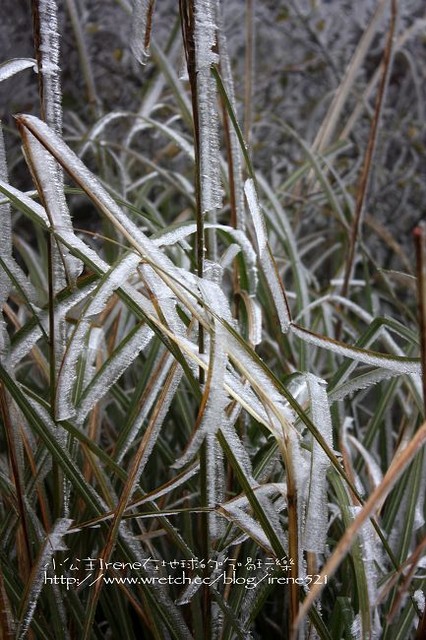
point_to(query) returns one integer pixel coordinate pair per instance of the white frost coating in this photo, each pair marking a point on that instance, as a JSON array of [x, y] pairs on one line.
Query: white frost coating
[[173, 135], [265, 257], [5, 248], [281, 219], [162, 370], [176, 235], [236, 153], [300, 461], [19, 276], [248, 525], [215, 483], [54, 542], [141, 28], [160, 594], [279, 414], [256, 324], [32, 208], [165, 298], [214, 412], [269, 490], [170, 486], [21, 347], [419, 518], [73, 241], [238, 450], [216, 300], [116, 276], [371, 555], [51, 183], [49, 49], [188, 593], [356, 628], [249, 401], [99, 195], [95, 337], [256, 215], [419, 598], [229, 255], [374, 471], [205, 58], [361, 382], [155, 423], [315, 528], [114, 368], [157, 286], [11, 67], [400, 365], [98, 127], [76, 345], [24, 346]]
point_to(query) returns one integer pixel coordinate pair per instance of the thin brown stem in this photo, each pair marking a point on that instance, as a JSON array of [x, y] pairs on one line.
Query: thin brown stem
[[366, 171]]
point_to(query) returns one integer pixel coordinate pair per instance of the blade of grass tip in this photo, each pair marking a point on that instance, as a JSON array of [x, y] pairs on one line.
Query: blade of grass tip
[[396, 363], [371, 506], [15, 65], [366, 171]]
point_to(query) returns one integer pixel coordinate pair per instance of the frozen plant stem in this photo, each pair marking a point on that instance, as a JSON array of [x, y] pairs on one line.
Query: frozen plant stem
[[187, 13]]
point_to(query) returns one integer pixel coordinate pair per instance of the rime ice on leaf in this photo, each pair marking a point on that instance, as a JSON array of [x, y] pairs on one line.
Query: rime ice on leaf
[[11, 67], [265, 257], [400, 365], [87, 181], [315, 529], [141, 28], [371, 556], [50, 184], [205, 58], [235, 159], [67, 373], [162, 369], [214, 410], [54, 542], [119, 362], [5, 245], [50, 71], [48, 174]]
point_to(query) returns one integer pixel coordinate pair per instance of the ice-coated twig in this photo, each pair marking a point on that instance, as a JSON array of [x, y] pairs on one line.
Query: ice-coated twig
[[141, 29], [206, 57]]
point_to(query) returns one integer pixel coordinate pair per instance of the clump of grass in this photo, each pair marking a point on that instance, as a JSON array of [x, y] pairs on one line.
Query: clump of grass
[[212, 427]]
